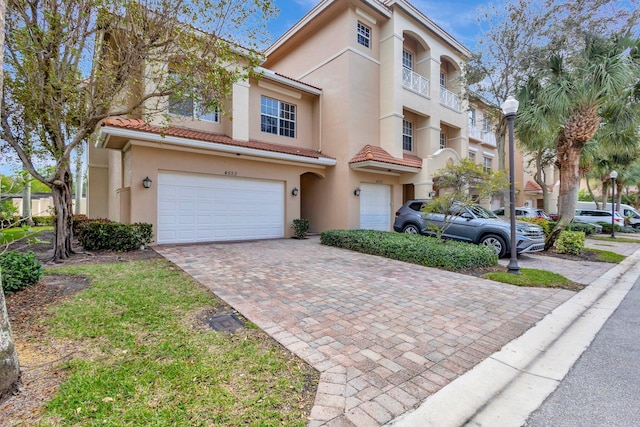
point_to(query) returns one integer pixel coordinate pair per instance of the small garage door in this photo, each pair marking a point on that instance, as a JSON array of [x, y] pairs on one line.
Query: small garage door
[[375, 207], [206, 208]]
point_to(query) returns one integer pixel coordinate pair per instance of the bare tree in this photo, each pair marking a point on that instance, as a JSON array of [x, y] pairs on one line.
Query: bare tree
[[69, 64]]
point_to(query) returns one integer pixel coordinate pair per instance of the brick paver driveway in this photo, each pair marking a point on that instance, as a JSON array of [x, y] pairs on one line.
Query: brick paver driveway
[[383, 334]]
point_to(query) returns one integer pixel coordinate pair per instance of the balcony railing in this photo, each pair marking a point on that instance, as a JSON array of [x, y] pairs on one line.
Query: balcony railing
[[415, 82], [482, 135], [449, 99]]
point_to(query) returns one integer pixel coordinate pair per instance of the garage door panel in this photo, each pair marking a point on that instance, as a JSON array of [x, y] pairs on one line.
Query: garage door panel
[[375, 207], [194, 208]]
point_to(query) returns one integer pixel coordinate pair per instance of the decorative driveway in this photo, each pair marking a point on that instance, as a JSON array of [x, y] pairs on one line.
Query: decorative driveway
[[383, 334]]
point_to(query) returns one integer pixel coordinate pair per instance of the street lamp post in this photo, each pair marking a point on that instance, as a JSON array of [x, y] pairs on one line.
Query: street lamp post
[[613, 177], [509, 108]]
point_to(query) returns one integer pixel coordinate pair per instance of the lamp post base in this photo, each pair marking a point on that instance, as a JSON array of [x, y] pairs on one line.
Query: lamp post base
[[513, 267]]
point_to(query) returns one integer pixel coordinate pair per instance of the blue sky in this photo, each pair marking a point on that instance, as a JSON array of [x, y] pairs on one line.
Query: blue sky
[[457, 17]]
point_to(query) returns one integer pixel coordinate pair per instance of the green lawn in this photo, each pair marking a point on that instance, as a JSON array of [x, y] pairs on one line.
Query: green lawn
[[148, 360], [532, 277], [9, 235]]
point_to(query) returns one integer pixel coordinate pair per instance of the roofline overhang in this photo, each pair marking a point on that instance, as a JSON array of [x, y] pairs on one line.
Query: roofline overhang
[[266, 73], [313, 13], [107, 131], [389, 168], [427, 22]]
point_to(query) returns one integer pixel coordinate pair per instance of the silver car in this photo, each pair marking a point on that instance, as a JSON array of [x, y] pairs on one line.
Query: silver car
[[473, 224]]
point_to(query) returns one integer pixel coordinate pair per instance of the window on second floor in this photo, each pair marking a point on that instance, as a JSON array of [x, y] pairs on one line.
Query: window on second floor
[[443, 140], [185, 106], [486, 164], [364, 35], [472, 117], [486, 125], [472, 156], [277, 117], [407, 135], [407, 60], [443, 79]]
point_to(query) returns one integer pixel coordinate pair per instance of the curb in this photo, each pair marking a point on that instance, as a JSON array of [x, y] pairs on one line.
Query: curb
[[504, 389]]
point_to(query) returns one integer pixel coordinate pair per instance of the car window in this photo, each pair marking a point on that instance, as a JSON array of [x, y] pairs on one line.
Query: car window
[[416, 206], [481, 212]]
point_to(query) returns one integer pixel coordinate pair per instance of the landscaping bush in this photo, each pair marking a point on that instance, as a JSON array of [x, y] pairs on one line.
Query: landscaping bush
[[42, 220], [79, 223], [19, 270], [584, 227], [417, 249], [606, 227], [115, 236], [544, 223], [570, 242], [300, 227]]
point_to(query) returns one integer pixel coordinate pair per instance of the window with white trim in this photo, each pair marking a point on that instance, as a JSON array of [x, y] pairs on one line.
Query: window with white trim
[[407, 135], [407, 60], [443, 140], [364, 35], [186, 106], [277, 117], [486, 124], [443, 79], [472, 117], [487, 162], [472, 156]]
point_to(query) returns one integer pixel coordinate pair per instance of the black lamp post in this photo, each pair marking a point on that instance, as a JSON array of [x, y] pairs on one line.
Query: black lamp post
[[509, 108], [613, 176]]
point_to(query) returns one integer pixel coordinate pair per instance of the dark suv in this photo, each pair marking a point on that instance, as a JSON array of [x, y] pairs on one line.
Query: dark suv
[[473, 224]]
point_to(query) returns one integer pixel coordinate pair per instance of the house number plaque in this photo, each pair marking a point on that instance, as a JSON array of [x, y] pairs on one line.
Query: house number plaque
[[231, 173]]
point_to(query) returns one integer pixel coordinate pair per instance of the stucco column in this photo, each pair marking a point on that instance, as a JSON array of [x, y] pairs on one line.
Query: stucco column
[[240, 122], [390, 102]]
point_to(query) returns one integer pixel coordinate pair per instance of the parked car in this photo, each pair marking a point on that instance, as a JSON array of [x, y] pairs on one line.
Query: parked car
[[473, 224], [629, 212], [597, 215], [526, 213]]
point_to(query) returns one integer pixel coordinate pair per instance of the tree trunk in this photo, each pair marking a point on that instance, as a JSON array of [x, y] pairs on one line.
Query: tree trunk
[[63, 203], [79, 180], [569, 186], [26, 202], [9, 366]]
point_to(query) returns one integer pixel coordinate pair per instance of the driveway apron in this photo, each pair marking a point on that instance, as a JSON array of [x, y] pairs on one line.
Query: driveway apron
[[383, 334]]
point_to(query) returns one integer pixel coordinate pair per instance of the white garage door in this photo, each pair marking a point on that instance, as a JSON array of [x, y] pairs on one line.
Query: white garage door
[[375, 207], [205, 208]]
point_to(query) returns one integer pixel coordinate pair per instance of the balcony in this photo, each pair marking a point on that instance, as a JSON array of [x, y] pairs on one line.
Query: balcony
[[449, 99], [484, 136], [415, 82]]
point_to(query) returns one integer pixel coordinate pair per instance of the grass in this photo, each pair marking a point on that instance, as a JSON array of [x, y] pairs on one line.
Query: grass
[[607, 256], [150, 362], [531, 277], [9, 235], [617, 239]]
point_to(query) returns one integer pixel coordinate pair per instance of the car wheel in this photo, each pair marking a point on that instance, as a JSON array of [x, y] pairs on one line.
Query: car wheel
[[411, 229], [496, 242]]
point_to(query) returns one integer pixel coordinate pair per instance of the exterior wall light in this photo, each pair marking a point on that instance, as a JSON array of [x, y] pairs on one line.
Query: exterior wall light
[[295, 192], [432, 194], [146, 183], [356, 192]]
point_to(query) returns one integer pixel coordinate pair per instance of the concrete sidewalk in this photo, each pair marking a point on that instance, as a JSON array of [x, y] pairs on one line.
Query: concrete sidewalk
[[385, 335]]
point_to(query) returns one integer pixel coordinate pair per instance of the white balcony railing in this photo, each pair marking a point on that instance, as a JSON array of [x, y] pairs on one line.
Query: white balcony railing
[[449, 99], [486, 137], [415, 82]]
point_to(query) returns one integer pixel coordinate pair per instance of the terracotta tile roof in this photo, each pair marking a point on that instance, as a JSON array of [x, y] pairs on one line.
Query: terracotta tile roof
[[377, 154], [142, 126], [534, 186]]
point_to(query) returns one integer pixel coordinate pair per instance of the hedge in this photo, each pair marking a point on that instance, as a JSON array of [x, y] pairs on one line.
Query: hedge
[[115, 236], [19, 270], [413, 248]]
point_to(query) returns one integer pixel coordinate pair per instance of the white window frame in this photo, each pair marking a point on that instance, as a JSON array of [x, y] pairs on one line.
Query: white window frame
[[443, 140], [407, 59], [277, 117], [364, 35], [472, 117], [472, 156], [443, 79], [487, 164], [486, 124], [188, 107], [407, 135]]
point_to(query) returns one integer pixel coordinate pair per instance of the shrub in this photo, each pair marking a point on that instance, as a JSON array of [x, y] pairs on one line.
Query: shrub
[[606, 227], [414, 248], [570, 242], [79, 223], [300, 227], [115, 236], [586, 228], [19, 270], [42, 220]]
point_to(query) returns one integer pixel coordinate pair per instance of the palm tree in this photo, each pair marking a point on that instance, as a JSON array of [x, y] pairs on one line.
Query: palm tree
[[572, 97]]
